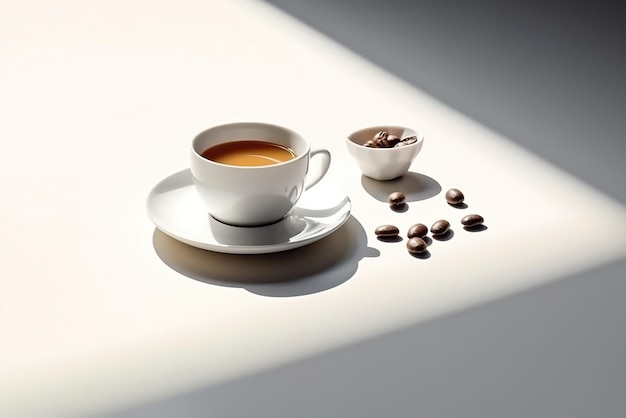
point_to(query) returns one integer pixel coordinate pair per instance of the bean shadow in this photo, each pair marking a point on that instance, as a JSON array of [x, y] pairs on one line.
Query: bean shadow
[[314, 268], [446, 236], [422, 256], [400, 208], [415, 186], [459, 205], [396, 238], [475, 228]]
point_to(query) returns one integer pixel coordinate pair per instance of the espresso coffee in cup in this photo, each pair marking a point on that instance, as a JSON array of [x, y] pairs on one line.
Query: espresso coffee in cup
[[252, 174], [249, 153]]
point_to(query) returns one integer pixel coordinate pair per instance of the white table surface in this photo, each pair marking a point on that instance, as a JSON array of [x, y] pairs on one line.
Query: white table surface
[[99, 102]]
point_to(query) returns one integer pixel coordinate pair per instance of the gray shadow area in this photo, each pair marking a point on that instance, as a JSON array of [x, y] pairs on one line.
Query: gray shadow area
[[415, 187], [542, 353], [548, 75], [297, 272]]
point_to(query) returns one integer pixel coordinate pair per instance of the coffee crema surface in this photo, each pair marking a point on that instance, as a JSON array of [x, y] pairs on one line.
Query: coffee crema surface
[[248, 153]]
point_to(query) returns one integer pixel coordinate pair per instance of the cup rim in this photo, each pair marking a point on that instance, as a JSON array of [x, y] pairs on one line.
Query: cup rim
[[291, 132]]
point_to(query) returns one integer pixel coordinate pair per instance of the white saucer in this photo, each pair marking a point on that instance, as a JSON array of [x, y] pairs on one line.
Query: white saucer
[[175, 209]]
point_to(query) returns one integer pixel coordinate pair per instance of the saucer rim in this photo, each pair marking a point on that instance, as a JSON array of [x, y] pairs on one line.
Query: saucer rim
[[247, 249]]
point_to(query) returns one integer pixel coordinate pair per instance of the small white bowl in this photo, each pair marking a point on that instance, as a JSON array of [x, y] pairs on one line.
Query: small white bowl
[[384, 163]]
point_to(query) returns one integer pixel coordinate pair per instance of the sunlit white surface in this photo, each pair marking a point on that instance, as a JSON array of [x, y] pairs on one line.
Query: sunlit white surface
[[100, 101]]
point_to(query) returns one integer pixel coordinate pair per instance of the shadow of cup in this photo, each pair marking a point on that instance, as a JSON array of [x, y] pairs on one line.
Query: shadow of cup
[[310, 269]]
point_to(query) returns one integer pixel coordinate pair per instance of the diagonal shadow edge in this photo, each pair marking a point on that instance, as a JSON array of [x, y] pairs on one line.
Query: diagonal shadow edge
[[483, 62]]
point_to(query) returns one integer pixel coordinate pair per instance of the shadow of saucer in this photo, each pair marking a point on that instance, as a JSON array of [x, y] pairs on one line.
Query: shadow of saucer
[[415, 187], [306, 270]]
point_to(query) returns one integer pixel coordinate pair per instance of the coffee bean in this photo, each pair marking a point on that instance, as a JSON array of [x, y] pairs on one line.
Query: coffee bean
[[382, 139], [380, 135], [387, 231], [417, 230], [454, 197], [396, 199], [416, 245], [382, 143], [440, 227], [406, 141], [472, 220], [378, 141], [392, 140]]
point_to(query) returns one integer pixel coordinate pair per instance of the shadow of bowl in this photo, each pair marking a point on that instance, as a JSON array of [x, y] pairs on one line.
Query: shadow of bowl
[[415, 186]]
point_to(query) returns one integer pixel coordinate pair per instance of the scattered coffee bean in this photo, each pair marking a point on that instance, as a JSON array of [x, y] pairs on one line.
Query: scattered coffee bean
[[472, 220], [416, 245], [440, 227], [417, 230], [387, 231], [454, 197], [396, 199], [370, 144]]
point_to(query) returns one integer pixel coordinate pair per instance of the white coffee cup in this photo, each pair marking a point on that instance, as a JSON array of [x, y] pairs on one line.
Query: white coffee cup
[[254, 195]]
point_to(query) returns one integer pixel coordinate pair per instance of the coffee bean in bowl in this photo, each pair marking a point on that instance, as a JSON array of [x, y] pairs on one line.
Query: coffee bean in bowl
[[393, 140], [384, 152], [384, 140], [406, 141]]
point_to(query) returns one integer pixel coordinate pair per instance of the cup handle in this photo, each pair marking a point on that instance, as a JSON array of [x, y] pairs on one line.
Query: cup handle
[[318, 171]]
